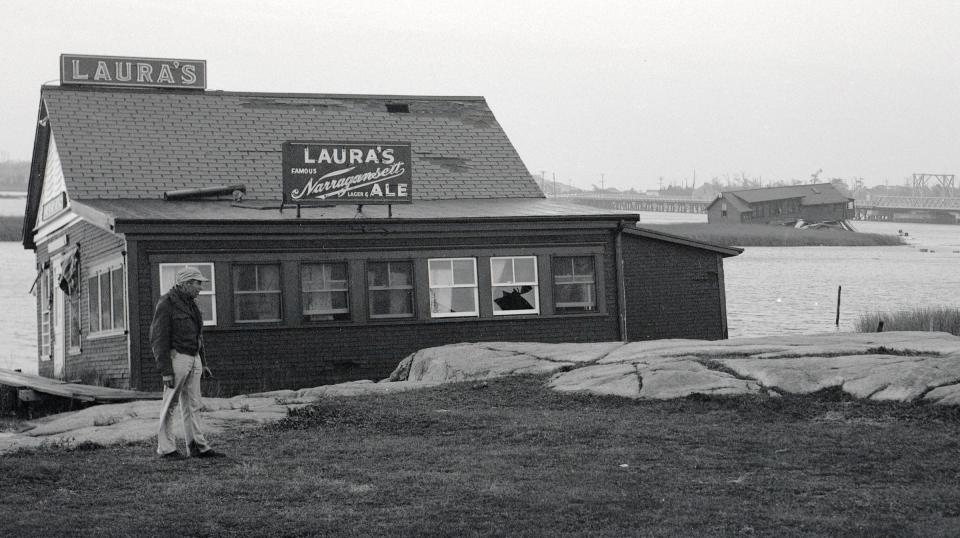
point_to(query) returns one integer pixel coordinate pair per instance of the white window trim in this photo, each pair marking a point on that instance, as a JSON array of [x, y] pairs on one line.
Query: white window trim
[[96, 270], [46, 309], [165, 286], [475, 286], [535, 283]]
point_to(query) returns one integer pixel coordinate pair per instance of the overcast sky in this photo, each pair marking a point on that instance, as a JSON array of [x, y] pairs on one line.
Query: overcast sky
[[629, 91]]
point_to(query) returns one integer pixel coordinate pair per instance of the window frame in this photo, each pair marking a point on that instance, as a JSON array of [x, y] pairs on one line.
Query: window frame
[[596, 284], [348, 311], [412, 287], [279, 292], [535, 284], [212, 292], [100, 272], [475, 286], [46, 315]]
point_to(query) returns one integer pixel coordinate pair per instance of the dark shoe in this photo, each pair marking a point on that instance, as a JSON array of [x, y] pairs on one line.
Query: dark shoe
[[210, 454], [170, 456], [195, 451]]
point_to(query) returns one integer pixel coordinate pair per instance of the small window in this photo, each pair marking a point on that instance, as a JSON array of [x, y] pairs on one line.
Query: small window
[[106, 308], [453, 287], [325, 291], [390, 289], [398, 108], [256, 293], [514, 284], [207, 300], [46, 307], [574, 284]]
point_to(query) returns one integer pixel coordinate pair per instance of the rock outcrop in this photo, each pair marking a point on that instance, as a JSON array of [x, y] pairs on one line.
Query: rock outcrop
[[899, 366], [902, 366]]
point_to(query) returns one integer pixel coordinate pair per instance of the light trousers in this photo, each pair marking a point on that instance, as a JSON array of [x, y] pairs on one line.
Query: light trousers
[[185, 393]]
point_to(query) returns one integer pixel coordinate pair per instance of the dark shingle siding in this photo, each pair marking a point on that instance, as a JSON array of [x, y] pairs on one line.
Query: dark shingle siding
[[673, 291], [152, 141]]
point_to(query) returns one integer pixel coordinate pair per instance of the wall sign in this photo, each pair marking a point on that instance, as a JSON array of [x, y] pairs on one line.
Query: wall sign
[[347, 172], [141, 72]]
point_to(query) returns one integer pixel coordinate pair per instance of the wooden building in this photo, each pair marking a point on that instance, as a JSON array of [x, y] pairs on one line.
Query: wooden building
[[129, 184], [816, 203]]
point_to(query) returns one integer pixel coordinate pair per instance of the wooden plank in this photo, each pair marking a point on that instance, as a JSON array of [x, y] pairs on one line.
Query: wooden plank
[[75, 391]]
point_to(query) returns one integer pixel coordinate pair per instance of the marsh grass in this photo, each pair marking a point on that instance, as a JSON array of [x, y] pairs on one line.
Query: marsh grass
[[10, 227], [511, 458], [935, 318], [759, 235]]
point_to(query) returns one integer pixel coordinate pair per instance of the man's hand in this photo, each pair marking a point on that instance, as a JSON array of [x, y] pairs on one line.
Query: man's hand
[[207, 374], [168, 381]]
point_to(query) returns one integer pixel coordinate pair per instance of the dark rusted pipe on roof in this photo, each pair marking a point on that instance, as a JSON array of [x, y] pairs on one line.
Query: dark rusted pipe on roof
[[205, 191]]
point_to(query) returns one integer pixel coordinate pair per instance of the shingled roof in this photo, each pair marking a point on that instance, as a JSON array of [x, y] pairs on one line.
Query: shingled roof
[[132, 143]]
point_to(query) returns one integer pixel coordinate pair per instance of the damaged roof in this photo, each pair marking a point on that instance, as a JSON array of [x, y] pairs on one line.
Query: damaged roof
[[134, 143], [816, 194]]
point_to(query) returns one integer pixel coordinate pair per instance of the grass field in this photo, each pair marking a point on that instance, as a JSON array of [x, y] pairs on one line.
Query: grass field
[[758, 235], [940, 318], [509, 457]]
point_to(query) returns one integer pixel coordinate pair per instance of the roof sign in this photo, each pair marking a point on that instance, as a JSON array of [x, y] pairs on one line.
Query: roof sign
[[140, 72], [347, 172]]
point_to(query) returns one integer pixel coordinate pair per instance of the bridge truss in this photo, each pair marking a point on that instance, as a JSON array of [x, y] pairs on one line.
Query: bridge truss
[[946, 182]]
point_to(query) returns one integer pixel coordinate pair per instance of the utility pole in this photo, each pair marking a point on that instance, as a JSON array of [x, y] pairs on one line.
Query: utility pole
[[601, 185], [554, 183]]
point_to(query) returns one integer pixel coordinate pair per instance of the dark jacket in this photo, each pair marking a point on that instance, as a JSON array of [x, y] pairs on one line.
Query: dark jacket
[[177, 325]]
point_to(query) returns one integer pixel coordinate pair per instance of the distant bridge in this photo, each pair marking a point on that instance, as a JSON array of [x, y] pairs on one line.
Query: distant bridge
[[636, 202], [909, 208]]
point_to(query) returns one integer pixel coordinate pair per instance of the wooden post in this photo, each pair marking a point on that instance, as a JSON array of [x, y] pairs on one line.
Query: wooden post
[[838, 306]]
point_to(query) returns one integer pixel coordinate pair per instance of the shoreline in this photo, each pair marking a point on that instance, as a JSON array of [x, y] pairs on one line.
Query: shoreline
[[759, 235]]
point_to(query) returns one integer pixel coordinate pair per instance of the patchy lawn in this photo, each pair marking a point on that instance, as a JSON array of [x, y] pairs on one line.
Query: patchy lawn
[[509, 457]]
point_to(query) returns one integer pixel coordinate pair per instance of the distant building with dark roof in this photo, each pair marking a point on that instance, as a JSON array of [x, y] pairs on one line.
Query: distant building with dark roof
[[130, 184], [820, 202]]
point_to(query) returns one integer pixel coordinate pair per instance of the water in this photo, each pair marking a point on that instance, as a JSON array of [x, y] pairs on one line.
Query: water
[[776, 290], [18, 323], [12, 203], [770, 290]]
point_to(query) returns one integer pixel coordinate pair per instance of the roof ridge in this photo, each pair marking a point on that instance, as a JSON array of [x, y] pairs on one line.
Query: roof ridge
[[783, 187], [288, 95]]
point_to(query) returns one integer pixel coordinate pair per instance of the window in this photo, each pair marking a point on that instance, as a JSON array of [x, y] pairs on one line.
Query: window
[[256, 292], [453, 287], [390, 289], [106, 307], [514, 284], [325, 291], [207, 300], [723, 208], [574, 284], [46, 305]]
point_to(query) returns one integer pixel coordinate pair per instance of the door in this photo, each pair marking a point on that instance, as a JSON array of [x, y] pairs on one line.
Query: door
[[58, 316]]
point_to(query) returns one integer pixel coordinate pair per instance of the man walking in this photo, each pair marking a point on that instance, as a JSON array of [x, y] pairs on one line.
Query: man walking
[[177, 343]]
